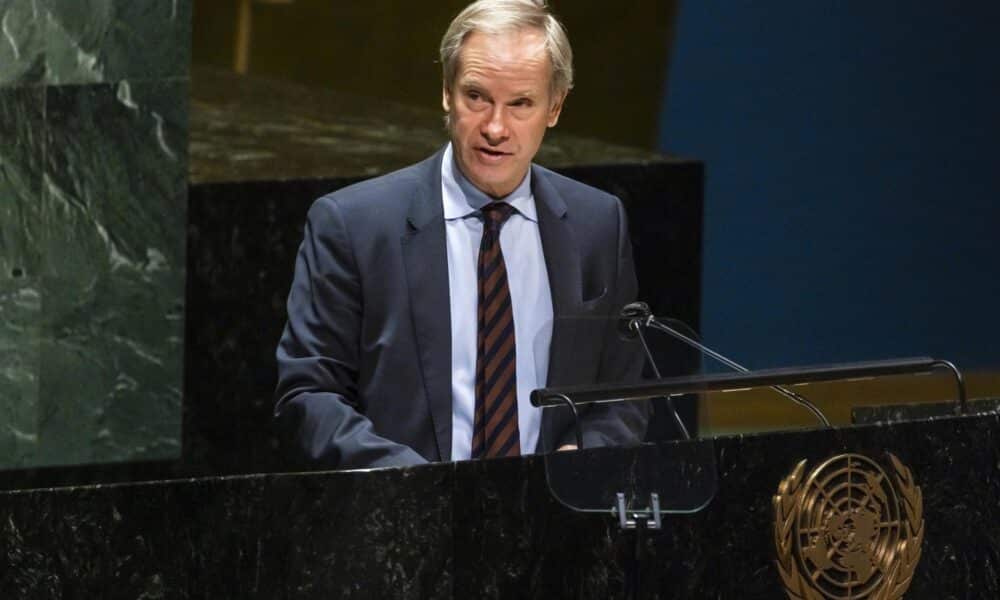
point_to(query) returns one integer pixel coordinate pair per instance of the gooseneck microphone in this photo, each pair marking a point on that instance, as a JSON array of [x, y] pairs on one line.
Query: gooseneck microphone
[[631, 315], [637, 316]]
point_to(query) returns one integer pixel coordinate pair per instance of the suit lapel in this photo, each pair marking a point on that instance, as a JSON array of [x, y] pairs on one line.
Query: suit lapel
[[425, 258], [562, 262]]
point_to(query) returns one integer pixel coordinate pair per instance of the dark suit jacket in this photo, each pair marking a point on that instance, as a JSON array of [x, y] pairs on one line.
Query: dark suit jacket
[[365, 359]]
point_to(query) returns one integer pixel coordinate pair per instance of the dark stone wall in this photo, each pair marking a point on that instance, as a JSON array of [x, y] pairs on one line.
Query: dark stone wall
[[93, 190]]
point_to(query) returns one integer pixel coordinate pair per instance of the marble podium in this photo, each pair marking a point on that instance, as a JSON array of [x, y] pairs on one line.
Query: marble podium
[[485, 529]]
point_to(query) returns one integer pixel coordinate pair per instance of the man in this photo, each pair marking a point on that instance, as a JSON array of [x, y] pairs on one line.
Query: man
[[429, 302]]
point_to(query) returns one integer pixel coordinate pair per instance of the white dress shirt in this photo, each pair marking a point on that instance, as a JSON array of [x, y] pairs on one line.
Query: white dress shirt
[[531, 301]]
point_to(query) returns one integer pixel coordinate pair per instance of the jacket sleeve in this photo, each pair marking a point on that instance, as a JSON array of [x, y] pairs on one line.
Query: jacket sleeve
[[318, 411], [623, 423]]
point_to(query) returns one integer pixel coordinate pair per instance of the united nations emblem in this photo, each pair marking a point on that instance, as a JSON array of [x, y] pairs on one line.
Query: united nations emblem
[[848, 530]]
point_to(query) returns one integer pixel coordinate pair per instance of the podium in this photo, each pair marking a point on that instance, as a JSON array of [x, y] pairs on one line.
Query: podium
[[487, 529]]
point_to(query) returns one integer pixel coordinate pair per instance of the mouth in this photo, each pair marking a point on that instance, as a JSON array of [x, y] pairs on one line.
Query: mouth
[[491, 155]]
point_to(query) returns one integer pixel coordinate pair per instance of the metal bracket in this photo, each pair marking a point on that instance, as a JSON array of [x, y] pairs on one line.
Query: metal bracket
[[645, 518]]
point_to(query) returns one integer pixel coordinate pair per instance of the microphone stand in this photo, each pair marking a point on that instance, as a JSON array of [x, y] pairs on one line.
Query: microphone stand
[[640, 317], [633, 326]]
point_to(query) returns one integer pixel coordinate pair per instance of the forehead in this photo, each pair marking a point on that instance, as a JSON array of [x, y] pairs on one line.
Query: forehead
[[519, 55]]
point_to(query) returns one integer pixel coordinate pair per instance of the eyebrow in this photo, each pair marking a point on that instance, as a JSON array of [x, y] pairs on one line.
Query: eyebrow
[[475, 84]]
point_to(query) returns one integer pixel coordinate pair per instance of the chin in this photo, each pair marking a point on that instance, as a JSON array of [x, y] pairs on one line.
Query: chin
[[484, 181], [488, 187]]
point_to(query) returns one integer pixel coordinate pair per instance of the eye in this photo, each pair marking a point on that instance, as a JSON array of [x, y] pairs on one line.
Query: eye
[[522, 102]]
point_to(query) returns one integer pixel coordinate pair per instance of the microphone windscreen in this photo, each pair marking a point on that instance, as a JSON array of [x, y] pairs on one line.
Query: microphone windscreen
[[630, 316]]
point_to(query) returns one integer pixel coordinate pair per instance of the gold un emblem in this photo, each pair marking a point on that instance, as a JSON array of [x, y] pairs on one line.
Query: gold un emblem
[[847, 530]]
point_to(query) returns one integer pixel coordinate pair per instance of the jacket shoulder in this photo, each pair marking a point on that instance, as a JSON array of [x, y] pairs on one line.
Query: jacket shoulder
[[379, 195]]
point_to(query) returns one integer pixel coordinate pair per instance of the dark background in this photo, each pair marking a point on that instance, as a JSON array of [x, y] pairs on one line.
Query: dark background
[[852, 201]]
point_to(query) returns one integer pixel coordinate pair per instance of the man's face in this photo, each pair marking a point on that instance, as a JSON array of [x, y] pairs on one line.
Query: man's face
[[500, 107]]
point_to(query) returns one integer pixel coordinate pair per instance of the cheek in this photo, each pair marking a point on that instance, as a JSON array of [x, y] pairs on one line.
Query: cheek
[[533, 133], [467, 119], [459, 126]]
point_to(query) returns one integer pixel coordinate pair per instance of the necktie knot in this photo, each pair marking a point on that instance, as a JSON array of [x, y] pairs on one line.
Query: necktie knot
[[495, 214]]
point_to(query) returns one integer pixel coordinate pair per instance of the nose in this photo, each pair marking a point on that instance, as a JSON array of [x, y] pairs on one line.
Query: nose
[[494, 126]]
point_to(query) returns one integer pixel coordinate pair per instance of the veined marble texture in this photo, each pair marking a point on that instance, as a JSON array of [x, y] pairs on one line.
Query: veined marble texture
[[93, 41], [113, 208], [93, 193], [20, 312], [21, 117], [21, 156], [22, 42]]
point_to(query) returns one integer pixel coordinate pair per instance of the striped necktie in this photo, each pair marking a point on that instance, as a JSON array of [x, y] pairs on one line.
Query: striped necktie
[[495, 431]]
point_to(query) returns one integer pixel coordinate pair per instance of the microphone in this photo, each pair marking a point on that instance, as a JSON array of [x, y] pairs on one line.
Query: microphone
[[634, 317], [631, 315], [637, 315]]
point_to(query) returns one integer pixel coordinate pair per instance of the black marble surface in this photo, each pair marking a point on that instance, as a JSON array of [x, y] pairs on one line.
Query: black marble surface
[[482, 529], [252, 537], [894, 413]]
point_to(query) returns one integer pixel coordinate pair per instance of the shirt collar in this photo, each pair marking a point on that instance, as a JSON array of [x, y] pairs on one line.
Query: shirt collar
[[462, 199]]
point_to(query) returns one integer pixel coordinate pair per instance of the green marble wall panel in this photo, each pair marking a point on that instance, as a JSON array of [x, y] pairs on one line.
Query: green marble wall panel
[[19, 356], [93, 41], [22, 114], [90, 41], [93, 192], [112, 297], [21, 118], [22, 42]]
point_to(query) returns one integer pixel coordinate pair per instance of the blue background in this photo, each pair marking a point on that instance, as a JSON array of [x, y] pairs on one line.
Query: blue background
[[851, 195]]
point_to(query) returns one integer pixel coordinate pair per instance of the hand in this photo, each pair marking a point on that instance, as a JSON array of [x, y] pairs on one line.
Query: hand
[[566, 447]]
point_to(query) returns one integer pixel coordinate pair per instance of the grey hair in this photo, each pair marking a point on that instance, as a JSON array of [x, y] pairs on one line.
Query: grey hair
[[494, 17]]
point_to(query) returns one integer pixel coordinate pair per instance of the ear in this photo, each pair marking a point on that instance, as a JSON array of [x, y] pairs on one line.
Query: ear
[[556, 109], [445, 99]]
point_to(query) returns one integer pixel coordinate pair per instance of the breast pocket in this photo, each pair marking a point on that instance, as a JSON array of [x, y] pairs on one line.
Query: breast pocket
[[594, 302]]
